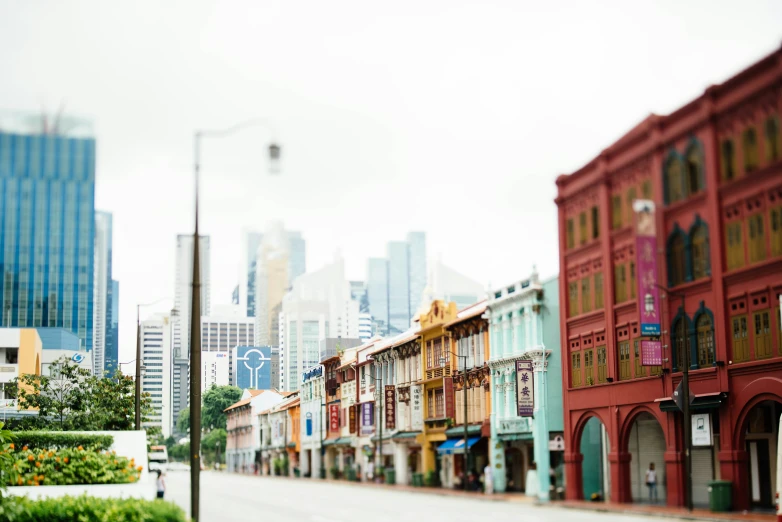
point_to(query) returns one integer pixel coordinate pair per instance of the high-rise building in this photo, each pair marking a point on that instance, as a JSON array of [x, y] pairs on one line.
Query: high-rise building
[[291, 242], [156, 347], [358, 292], [112, 335], [183, 289], [104, 356], [47, 224], [253, 367], [275, 368], [416, 242], [377, 294], [395, 284], [279, 260], [364, 327], [225, 330], [214, 369], [180, 389], [318, 306]]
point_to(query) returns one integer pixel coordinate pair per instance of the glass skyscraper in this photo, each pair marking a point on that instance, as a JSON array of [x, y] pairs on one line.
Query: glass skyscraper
[[47, 226], [395, 284]]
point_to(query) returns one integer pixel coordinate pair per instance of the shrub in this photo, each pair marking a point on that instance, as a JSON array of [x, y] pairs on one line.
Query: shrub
[[67, 509], [61, 440], [68, 466]]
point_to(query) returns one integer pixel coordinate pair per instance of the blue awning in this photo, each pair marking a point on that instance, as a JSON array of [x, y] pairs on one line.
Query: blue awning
[[456, 446]]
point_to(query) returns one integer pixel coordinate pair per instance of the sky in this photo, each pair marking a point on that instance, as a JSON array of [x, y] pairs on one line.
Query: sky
[[451, 117]]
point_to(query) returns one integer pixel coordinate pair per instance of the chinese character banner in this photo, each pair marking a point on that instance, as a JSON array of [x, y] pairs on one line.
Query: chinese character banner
[[525, 389], [646, 267], [390, 407]]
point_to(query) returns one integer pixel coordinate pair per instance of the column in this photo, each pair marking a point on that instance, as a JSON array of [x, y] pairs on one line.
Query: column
[[540, 427], [496, 447], [400, 463], [509, 399], [496, 341]]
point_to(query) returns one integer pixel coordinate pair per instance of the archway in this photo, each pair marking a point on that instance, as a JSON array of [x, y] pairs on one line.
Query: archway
[[646, 445], [759, 437], [595, 472]]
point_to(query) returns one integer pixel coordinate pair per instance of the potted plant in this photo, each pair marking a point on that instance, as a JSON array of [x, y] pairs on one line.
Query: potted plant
[[334, 472]]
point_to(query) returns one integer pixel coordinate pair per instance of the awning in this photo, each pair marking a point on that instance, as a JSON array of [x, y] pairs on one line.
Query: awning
[[704, 401], [475, 429], [509, 437], [330, 442], [407, 435], [456, 446], [343, 441]]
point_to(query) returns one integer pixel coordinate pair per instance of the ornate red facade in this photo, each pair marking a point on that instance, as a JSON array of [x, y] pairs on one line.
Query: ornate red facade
[[714, 169]]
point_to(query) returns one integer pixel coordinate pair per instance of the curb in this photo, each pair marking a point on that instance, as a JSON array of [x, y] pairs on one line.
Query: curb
[[638, 512]]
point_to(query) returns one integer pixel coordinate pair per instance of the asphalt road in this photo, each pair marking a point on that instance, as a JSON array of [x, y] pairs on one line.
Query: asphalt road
[[227, 497]]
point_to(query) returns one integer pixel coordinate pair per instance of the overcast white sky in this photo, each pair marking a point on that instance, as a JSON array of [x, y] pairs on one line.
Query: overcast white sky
[[445, 116]]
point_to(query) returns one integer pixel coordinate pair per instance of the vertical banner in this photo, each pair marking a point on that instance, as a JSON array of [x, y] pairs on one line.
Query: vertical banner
[[525, 389], [309, 424], [417, 405], [646, 266], [352, 424], [334, 418], [367, 418], [450, 406], [651, 353], [390, 406]]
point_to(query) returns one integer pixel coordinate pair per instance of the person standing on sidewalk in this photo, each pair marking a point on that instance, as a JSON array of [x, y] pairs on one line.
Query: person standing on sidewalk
[[488, 480], [651, 482], [161, 485]]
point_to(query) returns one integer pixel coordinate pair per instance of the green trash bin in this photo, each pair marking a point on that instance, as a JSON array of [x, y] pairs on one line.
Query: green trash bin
[[418, 480], [390, 475], [350, 475], [720, 496]]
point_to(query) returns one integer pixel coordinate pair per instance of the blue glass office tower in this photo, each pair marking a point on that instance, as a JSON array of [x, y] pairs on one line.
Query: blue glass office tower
[[47, 221]]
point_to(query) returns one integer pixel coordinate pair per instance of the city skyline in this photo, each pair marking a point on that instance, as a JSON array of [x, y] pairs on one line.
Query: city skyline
[[351, 119]]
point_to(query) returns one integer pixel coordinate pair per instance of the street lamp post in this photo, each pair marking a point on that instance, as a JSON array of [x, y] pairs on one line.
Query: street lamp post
[[322, 429], [137, 423], [195, 310], [466, 425]]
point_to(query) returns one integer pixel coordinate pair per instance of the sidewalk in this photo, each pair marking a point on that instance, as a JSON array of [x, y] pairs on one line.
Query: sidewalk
[[660, 511], [664, 511]]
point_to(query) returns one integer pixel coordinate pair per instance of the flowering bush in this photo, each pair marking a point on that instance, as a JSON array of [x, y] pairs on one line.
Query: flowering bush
[[68, 509], [69, 466]]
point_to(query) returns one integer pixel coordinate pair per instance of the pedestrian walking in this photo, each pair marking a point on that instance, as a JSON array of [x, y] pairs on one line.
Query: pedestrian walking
[[651, 482], [161, 485], [488, 480]]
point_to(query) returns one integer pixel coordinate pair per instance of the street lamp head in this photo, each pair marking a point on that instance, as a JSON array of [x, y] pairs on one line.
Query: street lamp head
[[274, 158]]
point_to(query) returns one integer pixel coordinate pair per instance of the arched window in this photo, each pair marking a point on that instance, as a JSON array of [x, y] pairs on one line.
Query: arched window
[[673, 179], [750, 149], [680, 341], [677, 264], [699, 241], [728, 160], [772, 139], [705, 333], [694, 164]]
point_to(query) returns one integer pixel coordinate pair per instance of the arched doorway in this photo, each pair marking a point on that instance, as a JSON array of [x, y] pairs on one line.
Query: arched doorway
[[595, 473], [760, 434], [646, 445]]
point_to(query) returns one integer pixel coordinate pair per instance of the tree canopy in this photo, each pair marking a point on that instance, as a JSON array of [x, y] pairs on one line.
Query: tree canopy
[[215, 401], [71, 398]]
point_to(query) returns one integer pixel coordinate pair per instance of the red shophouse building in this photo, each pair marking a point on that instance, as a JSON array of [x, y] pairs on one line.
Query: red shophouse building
[[714, 170]]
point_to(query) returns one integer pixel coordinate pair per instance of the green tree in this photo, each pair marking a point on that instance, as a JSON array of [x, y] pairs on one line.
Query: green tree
[[183, 422], [215, 401], [209, 444], [71, 398], [180, 452], [60, 398]]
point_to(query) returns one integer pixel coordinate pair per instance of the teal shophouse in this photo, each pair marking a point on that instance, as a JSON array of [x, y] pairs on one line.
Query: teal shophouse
[[526, 452]]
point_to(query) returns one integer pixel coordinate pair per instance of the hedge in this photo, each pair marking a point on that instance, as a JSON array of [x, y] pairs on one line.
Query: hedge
[[65, 467], [68, 509], [59, 439]]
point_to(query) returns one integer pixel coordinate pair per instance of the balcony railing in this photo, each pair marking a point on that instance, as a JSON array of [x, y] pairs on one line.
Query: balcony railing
[[9, 404]]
